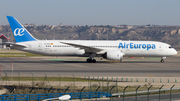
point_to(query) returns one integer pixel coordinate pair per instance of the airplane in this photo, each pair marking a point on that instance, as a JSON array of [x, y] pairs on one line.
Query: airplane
[[113, 50]]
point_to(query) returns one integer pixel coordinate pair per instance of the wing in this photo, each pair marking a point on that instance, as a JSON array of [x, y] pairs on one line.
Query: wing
[[86, 48]]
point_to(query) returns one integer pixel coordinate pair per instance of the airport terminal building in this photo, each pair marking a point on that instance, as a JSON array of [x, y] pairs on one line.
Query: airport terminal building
[[3, 40]]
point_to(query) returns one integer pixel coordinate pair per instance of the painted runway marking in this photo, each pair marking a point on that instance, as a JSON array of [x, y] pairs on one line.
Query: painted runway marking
[[149, 75]]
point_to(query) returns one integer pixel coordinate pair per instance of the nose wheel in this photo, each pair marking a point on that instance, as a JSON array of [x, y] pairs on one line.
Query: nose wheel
[[162, 60], [89, 60]]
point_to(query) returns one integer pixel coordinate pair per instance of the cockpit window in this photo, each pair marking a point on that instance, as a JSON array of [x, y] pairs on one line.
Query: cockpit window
[[170, 47]]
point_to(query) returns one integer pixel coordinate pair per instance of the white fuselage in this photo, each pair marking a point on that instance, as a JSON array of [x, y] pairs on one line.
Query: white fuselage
[[129, 48]]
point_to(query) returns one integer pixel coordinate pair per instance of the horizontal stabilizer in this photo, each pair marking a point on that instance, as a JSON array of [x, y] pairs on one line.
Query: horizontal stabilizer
[[15, 44]]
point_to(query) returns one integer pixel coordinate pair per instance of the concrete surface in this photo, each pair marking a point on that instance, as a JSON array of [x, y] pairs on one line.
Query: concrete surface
[[131, 68], [66, 66]]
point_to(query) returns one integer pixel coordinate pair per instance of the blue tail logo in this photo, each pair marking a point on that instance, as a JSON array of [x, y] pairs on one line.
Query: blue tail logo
[[20, 33]]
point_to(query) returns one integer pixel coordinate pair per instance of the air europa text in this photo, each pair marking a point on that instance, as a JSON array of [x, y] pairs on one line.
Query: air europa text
[[136, 46]]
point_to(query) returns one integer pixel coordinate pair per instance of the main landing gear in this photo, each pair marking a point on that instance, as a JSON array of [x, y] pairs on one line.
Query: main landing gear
[[120, 61], [90, 60]]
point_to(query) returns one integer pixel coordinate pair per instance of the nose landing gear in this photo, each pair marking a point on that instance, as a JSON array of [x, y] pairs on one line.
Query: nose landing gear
[[162, 59]]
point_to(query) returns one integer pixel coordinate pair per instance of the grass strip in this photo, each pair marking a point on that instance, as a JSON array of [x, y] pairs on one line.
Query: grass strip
[[47, 79], [9, 54]]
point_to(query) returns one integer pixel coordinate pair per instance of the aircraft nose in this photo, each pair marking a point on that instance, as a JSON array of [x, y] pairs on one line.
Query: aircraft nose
[[174, 52]]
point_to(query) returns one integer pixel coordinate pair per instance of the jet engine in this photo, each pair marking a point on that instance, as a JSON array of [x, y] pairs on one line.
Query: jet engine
[[115, 55]]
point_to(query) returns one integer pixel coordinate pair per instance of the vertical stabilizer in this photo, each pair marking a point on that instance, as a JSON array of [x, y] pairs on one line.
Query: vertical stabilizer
[[19, 32]]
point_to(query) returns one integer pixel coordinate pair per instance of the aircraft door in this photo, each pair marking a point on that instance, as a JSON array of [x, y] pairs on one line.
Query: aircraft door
[[161, 47], [40, 46]]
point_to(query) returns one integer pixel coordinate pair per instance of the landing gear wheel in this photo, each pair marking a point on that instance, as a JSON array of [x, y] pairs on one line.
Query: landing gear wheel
[[120, 60], [94, 61], [88, 60], [162, 60]]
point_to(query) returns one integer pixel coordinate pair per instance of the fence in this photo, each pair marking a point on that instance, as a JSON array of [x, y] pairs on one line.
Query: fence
[[136, 79], [110, 85], [88, 95], [32, 78]]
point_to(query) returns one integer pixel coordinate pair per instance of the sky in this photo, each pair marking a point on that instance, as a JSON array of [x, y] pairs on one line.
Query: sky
[[91, 12]]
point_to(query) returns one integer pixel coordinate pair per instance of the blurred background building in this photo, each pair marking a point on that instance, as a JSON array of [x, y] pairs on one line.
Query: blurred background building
[[3, 40]]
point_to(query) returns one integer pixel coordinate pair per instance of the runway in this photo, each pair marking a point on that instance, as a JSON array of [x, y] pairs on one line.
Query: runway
[[77, 66]]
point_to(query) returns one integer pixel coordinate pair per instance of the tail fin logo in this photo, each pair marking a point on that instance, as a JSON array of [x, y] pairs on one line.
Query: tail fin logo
[[19, 32]]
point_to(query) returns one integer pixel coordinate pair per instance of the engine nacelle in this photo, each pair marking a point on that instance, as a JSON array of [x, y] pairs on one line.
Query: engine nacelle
[[116, 55]]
